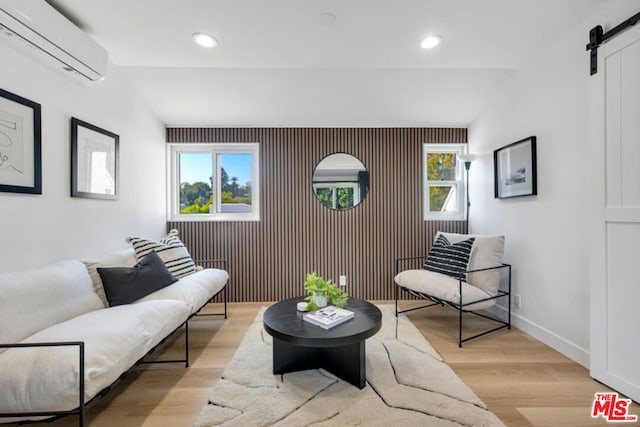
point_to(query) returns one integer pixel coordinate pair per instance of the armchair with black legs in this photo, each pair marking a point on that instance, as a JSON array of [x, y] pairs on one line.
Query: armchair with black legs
[[463, 272]]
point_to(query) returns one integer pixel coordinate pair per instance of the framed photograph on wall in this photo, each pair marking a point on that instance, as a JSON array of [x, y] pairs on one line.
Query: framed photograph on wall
[[94, 161], [20, 144], [514, 168]]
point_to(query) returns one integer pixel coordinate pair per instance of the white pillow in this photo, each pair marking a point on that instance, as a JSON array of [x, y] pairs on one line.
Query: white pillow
[[122, 258], [487, 251]]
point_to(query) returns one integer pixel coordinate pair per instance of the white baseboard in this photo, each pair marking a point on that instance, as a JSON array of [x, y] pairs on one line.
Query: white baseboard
[[556, 342]]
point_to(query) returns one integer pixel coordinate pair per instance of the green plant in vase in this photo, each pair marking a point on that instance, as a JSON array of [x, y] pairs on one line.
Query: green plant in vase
[[320, 289]]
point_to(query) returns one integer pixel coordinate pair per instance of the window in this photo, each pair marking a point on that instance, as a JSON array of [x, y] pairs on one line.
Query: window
[[339, 195], [443, 186], [214, 182]]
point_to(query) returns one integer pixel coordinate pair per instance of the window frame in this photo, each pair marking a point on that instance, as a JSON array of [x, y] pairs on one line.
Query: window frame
[[334, 185], [214, 148], [458, 183]]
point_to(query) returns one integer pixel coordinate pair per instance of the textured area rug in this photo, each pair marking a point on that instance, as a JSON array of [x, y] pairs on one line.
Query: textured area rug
[[407, 384]]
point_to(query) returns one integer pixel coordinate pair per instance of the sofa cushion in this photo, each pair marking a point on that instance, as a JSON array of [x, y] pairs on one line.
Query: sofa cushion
[[35, 299], [123, 285], [444, 287], [488, 251], [195, 289], [170, 249], [449, 258], [44, 379], [121, 258]]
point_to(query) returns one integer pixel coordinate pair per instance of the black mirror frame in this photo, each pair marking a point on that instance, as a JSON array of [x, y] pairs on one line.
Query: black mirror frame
[[363, 181]]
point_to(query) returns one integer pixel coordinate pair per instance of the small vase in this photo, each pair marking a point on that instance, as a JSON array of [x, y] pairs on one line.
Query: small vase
[[321, 301]]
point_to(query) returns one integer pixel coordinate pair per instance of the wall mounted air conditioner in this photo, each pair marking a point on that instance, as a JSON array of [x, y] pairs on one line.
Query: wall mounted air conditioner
[[34, 25]]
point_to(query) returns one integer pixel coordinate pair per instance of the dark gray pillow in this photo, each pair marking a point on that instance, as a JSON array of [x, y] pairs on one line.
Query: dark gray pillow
[[123, 285]]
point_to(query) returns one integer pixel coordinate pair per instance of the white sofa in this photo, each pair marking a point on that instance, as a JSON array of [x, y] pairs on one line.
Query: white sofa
[[64, 302]]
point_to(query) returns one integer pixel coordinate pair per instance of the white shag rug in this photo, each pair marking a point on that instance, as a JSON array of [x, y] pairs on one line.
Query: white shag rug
[[408, 384]]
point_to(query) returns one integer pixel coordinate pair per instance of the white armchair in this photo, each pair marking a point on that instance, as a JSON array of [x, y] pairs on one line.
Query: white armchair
[[462, 271]]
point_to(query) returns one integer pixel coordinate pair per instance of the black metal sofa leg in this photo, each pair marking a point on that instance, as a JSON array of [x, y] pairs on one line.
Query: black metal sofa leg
[[460, 329], [186, 344], [225, 301]]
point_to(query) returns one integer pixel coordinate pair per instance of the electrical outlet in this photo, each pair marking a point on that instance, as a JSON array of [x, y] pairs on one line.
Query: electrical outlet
[[343, 281], [518, 301]]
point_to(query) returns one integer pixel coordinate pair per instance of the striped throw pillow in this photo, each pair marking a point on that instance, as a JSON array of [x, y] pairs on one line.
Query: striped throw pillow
[[171, 251], [449, 259]]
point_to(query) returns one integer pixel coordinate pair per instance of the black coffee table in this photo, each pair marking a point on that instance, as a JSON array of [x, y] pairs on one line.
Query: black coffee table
[[299, 345]]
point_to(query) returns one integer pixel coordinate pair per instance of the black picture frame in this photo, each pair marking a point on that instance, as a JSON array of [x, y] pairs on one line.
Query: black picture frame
[[94, 161], [515, 169], [20, 144]]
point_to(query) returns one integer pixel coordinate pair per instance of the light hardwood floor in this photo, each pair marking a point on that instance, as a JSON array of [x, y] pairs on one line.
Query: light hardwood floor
[[524, 382]]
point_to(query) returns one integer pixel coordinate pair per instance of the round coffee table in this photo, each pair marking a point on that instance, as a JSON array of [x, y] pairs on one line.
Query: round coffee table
[[299, 345]]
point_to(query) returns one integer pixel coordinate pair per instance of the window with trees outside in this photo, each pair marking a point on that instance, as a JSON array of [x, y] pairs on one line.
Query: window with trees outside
[[218, 181], [443, 185], [341, 195]]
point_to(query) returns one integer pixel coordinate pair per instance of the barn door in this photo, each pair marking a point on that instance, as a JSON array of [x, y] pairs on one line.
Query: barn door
[[615, 286]]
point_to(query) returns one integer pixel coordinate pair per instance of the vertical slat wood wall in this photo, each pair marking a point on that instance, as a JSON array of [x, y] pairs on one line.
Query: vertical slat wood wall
[[268, 260]]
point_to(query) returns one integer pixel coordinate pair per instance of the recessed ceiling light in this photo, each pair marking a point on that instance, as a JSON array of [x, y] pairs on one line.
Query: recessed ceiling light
[[327, 19], [205, 40], [430, 42]]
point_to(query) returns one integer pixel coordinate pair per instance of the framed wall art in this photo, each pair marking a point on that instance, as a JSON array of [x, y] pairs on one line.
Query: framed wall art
[[94, 161], [514, 168], [20, 144]]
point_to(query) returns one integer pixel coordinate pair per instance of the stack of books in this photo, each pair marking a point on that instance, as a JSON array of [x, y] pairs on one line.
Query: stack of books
[[328, 317]]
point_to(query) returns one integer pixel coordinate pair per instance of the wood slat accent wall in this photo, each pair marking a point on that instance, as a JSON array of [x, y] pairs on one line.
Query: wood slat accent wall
[[268, 260]]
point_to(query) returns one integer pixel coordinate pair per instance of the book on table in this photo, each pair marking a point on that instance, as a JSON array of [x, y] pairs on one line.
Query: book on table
[[328, 317]]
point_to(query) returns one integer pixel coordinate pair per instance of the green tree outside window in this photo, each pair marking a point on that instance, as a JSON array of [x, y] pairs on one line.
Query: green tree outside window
[[440, 167]]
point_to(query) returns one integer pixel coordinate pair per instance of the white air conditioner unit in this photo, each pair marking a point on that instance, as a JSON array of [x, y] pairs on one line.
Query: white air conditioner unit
[[40, 28]]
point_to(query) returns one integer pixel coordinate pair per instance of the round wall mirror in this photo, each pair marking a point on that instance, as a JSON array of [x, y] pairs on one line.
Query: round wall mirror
[[340, 181]]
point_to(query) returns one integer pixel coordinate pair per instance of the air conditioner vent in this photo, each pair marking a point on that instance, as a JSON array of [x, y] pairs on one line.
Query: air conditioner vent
[[36, 24]]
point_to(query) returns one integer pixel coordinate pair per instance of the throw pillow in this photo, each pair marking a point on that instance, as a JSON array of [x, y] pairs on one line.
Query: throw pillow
[[124, 285], [449, 259], [170, 249], [121, 258], [488, 251]]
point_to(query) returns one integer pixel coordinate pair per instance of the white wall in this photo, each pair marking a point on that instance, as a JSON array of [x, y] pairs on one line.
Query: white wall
[[37, 229], [547, 236]]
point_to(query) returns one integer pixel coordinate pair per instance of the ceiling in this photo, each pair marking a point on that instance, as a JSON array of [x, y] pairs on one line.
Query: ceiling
[[279, 63]]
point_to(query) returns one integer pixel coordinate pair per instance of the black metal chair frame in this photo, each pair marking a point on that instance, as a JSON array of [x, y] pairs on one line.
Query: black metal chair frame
[[460, 306], [84, 406]]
